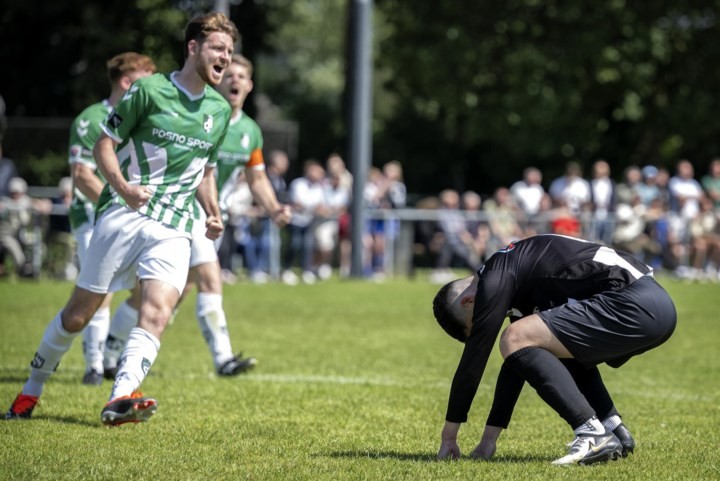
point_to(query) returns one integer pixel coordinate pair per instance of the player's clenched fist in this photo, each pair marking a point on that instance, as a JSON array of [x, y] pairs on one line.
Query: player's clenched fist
[[137, 196], [214, 227]]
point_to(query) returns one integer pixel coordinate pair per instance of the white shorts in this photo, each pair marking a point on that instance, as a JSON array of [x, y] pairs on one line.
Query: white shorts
[[82, 237], [203, 250], [127, 246], [326, 235]]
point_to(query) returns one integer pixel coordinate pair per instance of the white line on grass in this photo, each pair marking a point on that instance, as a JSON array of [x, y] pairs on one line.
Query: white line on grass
[[321, 379]]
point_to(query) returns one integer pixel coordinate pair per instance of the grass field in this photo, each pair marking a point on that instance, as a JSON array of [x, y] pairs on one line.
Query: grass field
[[352, 384]]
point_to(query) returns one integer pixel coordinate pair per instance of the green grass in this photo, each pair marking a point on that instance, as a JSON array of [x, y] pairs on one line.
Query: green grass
[[352, 384]]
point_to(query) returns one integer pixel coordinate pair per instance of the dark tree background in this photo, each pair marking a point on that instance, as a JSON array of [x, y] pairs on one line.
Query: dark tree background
[[466, 94], [502, 85], [53, 53]]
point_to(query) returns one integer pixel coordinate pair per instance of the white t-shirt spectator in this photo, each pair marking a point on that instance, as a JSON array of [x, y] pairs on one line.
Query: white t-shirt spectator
[[689, 190], [602, 193], [528, 196], [336, 197], [306, 197], [574, 192]]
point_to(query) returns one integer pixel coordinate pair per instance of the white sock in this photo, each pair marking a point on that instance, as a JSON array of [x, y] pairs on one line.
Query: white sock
[[56, 341], [611, 422], [125, 318], [94, 336], [137, 358], [591, 426], [211, 317]]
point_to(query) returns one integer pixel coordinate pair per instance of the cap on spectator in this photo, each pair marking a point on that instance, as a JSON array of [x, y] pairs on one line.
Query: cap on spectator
[[17, 185], [649, 171]]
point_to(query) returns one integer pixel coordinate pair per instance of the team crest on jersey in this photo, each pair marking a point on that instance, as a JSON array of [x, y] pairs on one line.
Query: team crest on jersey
[[74, 151], [245, 141], [208, 123], [114, 120], [508, 247]]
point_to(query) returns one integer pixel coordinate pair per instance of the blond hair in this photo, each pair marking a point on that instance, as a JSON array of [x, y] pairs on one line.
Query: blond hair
[[124, 63], [243, 62]]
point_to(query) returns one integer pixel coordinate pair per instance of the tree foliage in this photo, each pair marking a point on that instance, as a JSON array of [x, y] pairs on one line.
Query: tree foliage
[[54, 53], [465, 94], [303, 69], [503, 85]]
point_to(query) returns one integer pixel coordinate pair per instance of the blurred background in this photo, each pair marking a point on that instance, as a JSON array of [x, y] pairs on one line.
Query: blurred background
[[477, 108], [465, 94]]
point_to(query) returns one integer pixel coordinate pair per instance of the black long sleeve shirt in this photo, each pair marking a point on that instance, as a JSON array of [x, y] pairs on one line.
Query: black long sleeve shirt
[[533, 275]]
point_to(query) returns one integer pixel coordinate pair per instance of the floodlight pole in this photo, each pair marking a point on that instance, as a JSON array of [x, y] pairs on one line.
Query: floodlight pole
[[360, 145], [222, 6]]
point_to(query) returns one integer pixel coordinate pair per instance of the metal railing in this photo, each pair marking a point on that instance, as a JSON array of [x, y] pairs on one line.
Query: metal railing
[[400, 236]]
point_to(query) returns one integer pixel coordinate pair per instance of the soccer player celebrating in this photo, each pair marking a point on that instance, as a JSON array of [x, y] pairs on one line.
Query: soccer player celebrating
[[240, 151], [579, 300], [157, 153], [122, 71]]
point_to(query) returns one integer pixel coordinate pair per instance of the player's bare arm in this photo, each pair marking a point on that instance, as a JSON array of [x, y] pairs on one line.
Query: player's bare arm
[[207, 197], [136, 196], [264, 194], [85, 180]]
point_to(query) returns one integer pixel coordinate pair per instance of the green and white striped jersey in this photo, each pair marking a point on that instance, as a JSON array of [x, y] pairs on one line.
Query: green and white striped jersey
[[241, 148], [84, 132], [166, 138]]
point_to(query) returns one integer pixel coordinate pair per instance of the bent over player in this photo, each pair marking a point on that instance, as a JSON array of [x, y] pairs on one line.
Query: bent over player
[[579, 300]]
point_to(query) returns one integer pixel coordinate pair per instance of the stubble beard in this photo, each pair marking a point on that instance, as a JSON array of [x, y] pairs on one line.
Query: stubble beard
[[204, 71]]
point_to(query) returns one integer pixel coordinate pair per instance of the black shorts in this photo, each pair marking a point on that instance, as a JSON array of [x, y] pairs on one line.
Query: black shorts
[[614, 326]]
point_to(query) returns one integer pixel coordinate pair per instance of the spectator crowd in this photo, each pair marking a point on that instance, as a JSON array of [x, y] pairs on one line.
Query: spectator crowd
[[668, 219]]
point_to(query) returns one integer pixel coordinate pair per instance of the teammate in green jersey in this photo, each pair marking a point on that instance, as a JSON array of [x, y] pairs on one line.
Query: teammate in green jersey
[[122, 70], [240, 151], [157, 154]]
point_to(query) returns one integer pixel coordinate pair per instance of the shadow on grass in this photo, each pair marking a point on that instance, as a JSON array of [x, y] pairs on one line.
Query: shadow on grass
[[59, 419], [11, 379], [517, 459], [68, 375], [422, 457], [430, 458], [69, 420], [64, 380]]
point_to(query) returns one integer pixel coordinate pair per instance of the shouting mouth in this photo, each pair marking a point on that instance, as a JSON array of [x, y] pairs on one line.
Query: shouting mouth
[[217, 71]]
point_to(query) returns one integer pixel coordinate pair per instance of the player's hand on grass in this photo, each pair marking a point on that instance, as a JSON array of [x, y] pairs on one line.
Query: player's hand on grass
[[449, 447], [488, 444], [213, 227], [484, 450]]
